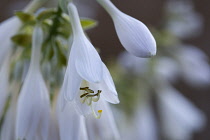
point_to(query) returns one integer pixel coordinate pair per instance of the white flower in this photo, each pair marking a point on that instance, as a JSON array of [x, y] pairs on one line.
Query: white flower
[[85, 66], [179, 116], [167, 68], [33, 102], [8, 28], [144, 123], [183, 21], [71, 124], [133, 34], [194, 65], [104, 128]]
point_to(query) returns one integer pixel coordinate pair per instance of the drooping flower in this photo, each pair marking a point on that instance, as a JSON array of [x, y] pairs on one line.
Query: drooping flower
[[179, 116], [194, 65], [86, 77], [145, 127], [33, 103], [133, 34]]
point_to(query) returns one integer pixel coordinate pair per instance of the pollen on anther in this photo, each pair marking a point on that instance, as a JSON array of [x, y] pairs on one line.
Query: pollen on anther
[[99, 111]]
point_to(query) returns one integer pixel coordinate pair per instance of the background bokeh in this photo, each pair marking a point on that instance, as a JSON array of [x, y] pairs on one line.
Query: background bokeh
[[152, 13]]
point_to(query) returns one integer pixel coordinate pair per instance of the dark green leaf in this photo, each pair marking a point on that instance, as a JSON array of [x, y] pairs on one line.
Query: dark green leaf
[[25, 17], [23, 40]]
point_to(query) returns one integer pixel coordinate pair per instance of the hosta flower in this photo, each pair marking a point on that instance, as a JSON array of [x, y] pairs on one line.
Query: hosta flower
[[144, 123], [133, 34], [86, 78], [8, 28], [194, 65], [4, 82], [179, 116], [33, 102]]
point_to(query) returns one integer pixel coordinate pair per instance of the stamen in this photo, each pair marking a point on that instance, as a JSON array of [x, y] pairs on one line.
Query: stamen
[[88, 101], [95, 115], [87, 89], [83, 95], [98, 96], [88, 98]]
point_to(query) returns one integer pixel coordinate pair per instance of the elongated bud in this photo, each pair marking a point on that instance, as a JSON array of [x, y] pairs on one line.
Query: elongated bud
[[133, 34]]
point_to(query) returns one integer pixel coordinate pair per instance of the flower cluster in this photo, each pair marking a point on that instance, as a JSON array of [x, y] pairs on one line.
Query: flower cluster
[[33, 59]]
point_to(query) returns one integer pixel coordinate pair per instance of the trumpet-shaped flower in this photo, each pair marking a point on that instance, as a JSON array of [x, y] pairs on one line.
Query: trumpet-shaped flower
[[178, 115], [86, 71], [133, 34], [33, 102], [145, 124], [194, 65], [8, 28]]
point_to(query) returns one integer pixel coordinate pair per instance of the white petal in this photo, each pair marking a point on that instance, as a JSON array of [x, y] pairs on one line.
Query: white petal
[[4, 82], [32, 112], [105, 127], [194, 65], [133, 34], [87, 61], [167, 68], [8, 127], [8, 28], [179, 115], [108, 87], [72, 80], [145, 123], [69, 122]]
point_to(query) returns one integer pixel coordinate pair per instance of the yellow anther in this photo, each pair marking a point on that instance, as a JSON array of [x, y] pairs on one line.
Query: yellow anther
[[99, 111]]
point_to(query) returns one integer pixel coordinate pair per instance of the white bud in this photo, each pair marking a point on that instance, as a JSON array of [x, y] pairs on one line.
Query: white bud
[[133, 34]]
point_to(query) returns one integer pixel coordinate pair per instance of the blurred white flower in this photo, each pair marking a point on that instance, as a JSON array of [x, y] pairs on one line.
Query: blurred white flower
[[4, 82], [33, 103], [144, 123], [167, 68], [194, 65], [179, 116], [85, 66], [183, 21], [8, 28], [132, 33]]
